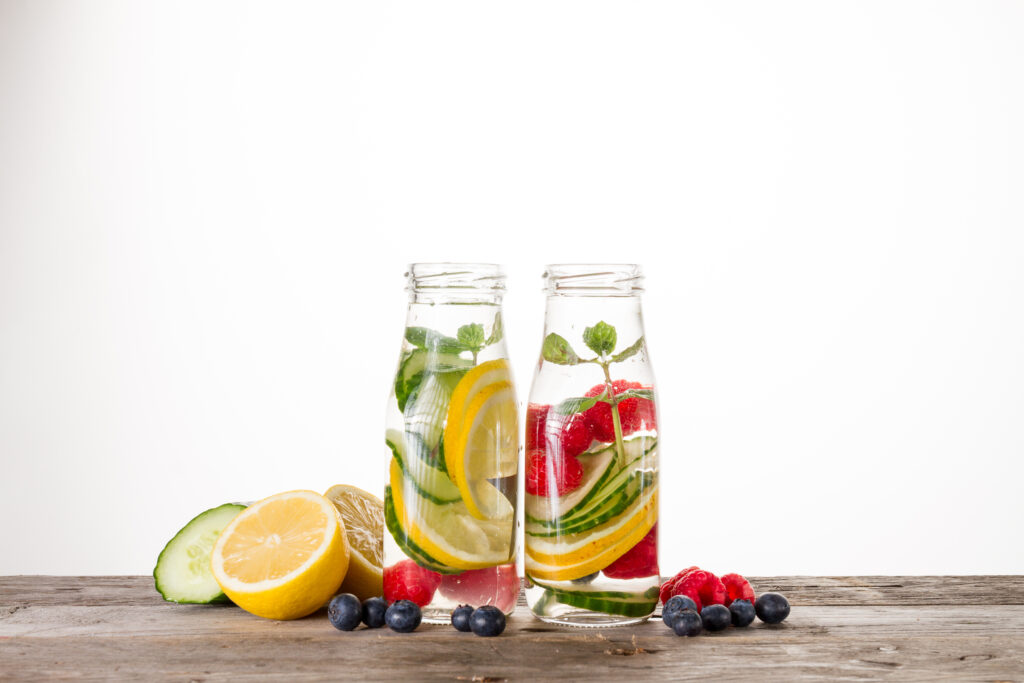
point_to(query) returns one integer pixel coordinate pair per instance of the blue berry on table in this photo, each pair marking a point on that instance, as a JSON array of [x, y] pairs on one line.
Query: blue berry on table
[[403, 616], [686, 623], [344, 612], [715, 617], [771, 608], [487, 621], [676, 604], [742, 612], [460, 617], [373, 612]]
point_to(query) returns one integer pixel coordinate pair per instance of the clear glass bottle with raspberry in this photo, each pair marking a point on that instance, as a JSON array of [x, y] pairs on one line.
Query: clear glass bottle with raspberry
[[452, 447], [591, 505]]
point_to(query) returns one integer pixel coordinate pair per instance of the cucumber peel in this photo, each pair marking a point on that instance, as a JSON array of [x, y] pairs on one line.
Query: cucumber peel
[[182, 572], [610, 602]]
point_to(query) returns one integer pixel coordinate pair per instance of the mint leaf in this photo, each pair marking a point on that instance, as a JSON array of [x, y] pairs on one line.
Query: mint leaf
[[557, 350], [631, 351], [471, 336], [497, 331], [601, 338], [432, 340], [576, 405]]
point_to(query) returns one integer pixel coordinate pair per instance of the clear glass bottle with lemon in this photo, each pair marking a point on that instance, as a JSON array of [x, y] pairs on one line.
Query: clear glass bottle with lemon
[[591, 504], [452, 435]]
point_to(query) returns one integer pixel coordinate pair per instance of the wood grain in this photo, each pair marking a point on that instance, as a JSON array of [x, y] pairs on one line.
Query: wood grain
[[841, 628]]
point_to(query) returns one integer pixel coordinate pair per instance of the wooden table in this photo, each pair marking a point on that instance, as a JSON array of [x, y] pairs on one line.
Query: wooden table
[[841, 628]]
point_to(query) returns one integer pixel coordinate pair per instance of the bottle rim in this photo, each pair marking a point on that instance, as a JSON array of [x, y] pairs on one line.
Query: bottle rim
[[437, 276], [593, 279]]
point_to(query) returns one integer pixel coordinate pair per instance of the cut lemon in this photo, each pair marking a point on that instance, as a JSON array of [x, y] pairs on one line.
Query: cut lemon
[[574, 556], [448, 534], [481, 438], [283, 557], [362, 515]]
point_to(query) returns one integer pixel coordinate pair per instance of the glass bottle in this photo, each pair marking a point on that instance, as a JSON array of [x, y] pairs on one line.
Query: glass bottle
[[591, 504], [452, 433]]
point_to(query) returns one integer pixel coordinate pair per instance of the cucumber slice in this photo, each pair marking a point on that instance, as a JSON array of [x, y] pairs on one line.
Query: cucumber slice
[[407, 545], [416, 362], [429, 482], [597, 469], [182, 573], [613, 482], [609, 602]]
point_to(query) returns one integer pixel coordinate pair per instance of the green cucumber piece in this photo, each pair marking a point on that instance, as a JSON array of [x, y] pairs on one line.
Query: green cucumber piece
[[414, 364], [429, 482], [637, 450], [426, 410], [597, 469], [609, 602], [406, 544], [182, 573]]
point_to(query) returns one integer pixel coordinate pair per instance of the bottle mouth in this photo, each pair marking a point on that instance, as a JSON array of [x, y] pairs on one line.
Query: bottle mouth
[[453, 278], [593, 279]]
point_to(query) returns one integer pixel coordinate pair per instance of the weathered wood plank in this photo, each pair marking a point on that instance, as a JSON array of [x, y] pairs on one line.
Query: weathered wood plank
[[801, 590]]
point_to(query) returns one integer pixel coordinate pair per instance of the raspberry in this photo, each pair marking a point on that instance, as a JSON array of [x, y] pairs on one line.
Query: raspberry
[[702, 586], [541, 470], [498, 586], [536, 418], [639, 561], [737, 588], [568, 435], [406, 580], [667, 588], [634, 412]]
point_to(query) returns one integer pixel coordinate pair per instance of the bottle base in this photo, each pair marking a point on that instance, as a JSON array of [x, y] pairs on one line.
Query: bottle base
[[586, 619]]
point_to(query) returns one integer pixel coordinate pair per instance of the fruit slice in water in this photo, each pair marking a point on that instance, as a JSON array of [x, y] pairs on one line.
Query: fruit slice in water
[[182, 572], [362, 515], [447, 534], [429, 481], [481, 439], [597, 468], [283, 557], [609, 602]]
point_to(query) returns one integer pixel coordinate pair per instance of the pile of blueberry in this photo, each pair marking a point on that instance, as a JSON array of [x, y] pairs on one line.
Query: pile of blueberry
[[680, 613], [345, 613]]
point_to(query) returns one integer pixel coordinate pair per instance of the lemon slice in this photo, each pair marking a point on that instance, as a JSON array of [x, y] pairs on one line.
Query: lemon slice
[[448, 534], [574, 556], [482, 438], [362, 515], [283, 557]]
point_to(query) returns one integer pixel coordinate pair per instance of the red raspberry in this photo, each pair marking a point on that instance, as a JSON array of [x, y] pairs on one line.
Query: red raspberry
[[536, 418], [541, 469], [669, 587], [737, 588], [634, 412], [639, 561], [406, 580], [704, 587], [568, 435], [498, 586]]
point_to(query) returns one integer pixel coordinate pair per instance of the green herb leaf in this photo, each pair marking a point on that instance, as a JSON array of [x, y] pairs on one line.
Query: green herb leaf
[[432, 340], [601, 338], [497, 331], [631, 351], [577, 405], [558, 351], [471, 336]]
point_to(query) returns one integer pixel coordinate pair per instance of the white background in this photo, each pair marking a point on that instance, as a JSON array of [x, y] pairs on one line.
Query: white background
[[206, 209]]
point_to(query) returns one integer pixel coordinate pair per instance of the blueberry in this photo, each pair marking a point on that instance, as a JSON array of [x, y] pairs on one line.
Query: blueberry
[[585, 579], [344, 612], [460, 617], [772, 608], [742, 612], [487, 621], [686, 623], [715, 617], [403, 616], [675, 605], [373, 612]]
